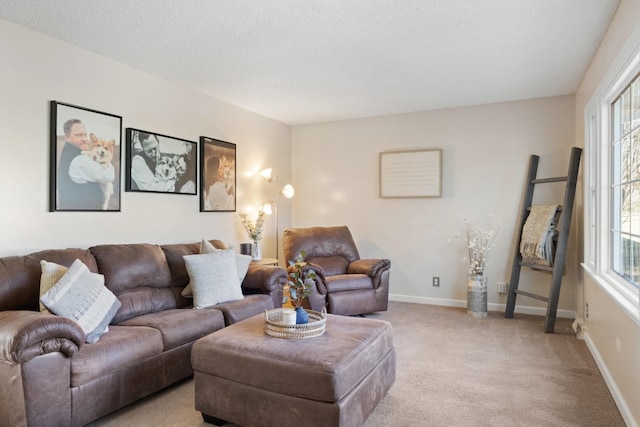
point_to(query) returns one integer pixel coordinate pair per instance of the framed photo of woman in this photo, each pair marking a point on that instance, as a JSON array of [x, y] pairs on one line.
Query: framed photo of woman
[[218, 175]]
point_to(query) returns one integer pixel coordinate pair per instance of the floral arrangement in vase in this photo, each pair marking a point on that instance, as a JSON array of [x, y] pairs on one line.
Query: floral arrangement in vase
[[479, 243], [301, 279], [254, 231]]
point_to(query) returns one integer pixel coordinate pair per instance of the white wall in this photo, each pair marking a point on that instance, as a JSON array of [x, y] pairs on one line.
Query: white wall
[[36, 69], [486, 152], [613, 337]]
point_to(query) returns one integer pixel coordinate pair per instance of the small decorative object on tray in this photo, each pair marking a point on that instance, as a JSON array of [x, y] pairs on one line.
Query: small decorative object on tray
[[274, 325], [299, 285]]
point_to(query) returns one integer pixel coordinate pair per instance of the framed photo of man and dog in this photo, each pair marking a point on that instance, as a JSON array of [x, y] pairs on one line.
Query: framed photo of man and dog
[[218, 175], [84, 160], [158, 163]]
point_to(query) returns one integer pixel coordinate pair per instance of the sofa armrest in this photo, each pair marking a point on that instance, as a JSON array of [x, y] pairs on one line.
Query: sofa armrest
[[26, 334], [264, 279], [371, 267]]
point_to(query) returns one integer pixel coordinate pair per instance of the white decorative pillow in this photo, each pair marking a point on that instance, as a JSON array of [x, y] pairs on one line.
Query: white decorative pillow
[[81, 296], [242, 265], [51, 273], [214, 278]]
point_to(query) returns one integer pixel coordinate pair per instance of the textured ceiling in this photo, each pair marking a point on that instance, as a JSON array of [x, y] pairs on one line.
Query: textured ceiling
[[304, 61]]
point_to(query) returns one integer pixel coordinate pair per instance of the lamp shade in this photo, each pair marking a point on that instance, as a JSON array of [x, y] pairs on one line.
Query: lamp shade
[[288, 191], [266, 173]]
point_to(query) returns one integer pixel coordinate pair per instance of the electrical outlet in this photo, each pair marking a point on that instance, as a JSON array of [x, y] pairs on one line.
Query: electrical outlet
[[436, 281], [586, 310], [502, 288]]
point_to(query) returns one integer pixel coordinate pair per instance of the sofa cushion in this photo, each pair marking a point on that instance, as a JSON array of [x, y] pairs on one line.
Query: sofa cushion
[[132, 266], [175, 254], [139, 276], [81, 296], [242, 265], [214, 278], [180, 326], [122, 346]]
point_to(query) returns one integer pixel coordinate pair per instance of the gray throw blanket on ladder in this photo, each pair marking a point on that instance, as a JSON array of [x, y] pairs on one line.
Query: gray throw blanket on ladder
[[536, 245]]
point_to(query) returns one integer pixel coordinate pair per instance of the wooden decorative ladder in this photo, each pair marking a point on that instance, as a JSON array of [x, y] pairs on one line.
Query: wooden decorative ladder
[[561, 245]]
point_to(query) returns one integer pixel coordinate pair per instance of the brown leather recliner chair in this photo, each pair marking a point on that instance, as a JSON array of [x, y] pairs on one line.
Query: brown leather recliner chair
[[345, 284]]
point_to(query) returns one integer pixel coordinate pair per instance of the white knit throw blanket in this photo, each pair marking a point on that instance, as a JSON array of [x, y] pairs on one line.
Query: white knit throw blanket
[[537, 233]]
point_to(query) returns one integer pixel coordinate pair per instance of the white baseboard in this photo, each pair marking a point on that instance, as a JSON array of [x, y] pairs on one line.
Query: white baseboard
[[537, 311], [613, 387]]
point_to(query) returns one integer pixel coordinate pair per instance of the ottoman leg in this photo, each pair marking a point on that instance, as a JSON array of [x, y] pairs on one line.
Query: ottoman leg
[[212, 420]]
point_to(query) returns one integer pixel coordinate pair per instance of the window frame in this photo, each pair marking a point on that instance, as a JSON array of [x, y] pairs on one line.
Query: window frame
[[598, 178]]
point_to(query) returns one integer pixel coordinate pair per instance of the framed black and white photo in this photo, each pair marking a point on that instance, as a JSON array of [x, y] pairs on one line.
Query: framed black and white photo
[[218, 175], [160, 164], [85, 159]]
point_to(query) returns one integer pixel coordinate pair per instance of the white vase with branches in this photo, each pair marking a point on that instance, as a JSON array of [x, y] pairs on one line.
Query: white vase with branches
[[254, 231], [479, 242]]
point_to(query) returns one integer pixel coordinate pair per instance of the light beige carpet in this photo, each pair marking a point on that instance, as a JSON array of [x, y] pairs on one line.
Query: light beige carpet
[[454, 370]]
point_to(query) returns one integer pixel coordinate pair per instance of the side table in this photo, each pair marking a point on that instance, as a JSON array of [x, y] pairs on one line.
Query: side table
[[265, 261]]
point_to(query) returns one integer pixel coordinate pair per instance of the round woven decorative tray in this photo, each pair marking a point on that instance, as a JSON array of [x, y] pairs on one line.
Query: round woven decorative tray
[[274, 327]]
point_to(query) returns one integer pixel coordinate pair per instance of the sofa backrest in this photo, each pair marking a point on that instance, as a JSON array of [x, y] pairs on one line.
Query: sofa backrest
[[138, 274], [146, 278], [20, 275]]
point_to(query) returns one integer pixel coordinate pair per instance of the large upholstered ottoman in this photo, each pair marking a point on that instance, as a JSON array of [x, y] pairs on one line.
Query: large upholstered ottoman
[[336, 379]]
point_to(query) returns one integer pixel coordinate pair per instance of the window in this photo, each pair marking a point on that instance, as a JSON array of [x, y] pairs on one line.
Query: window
[[625, 183], [611, 178]]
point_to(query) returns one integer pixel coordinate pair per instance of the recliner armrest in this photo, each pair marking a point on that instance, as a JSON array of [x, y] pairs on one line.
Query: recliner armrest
[[26, 334], [321, 288], [371, 267]]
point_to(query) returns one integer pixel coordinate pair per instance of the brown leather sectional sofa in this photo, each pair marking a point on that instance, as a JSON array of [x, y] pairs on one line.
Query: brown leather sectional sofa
[[50, 377]]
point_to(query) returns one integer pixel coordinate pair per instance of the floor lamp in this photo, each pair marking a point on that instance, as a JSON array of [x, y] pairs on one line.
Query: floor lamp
[[287, 191]]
